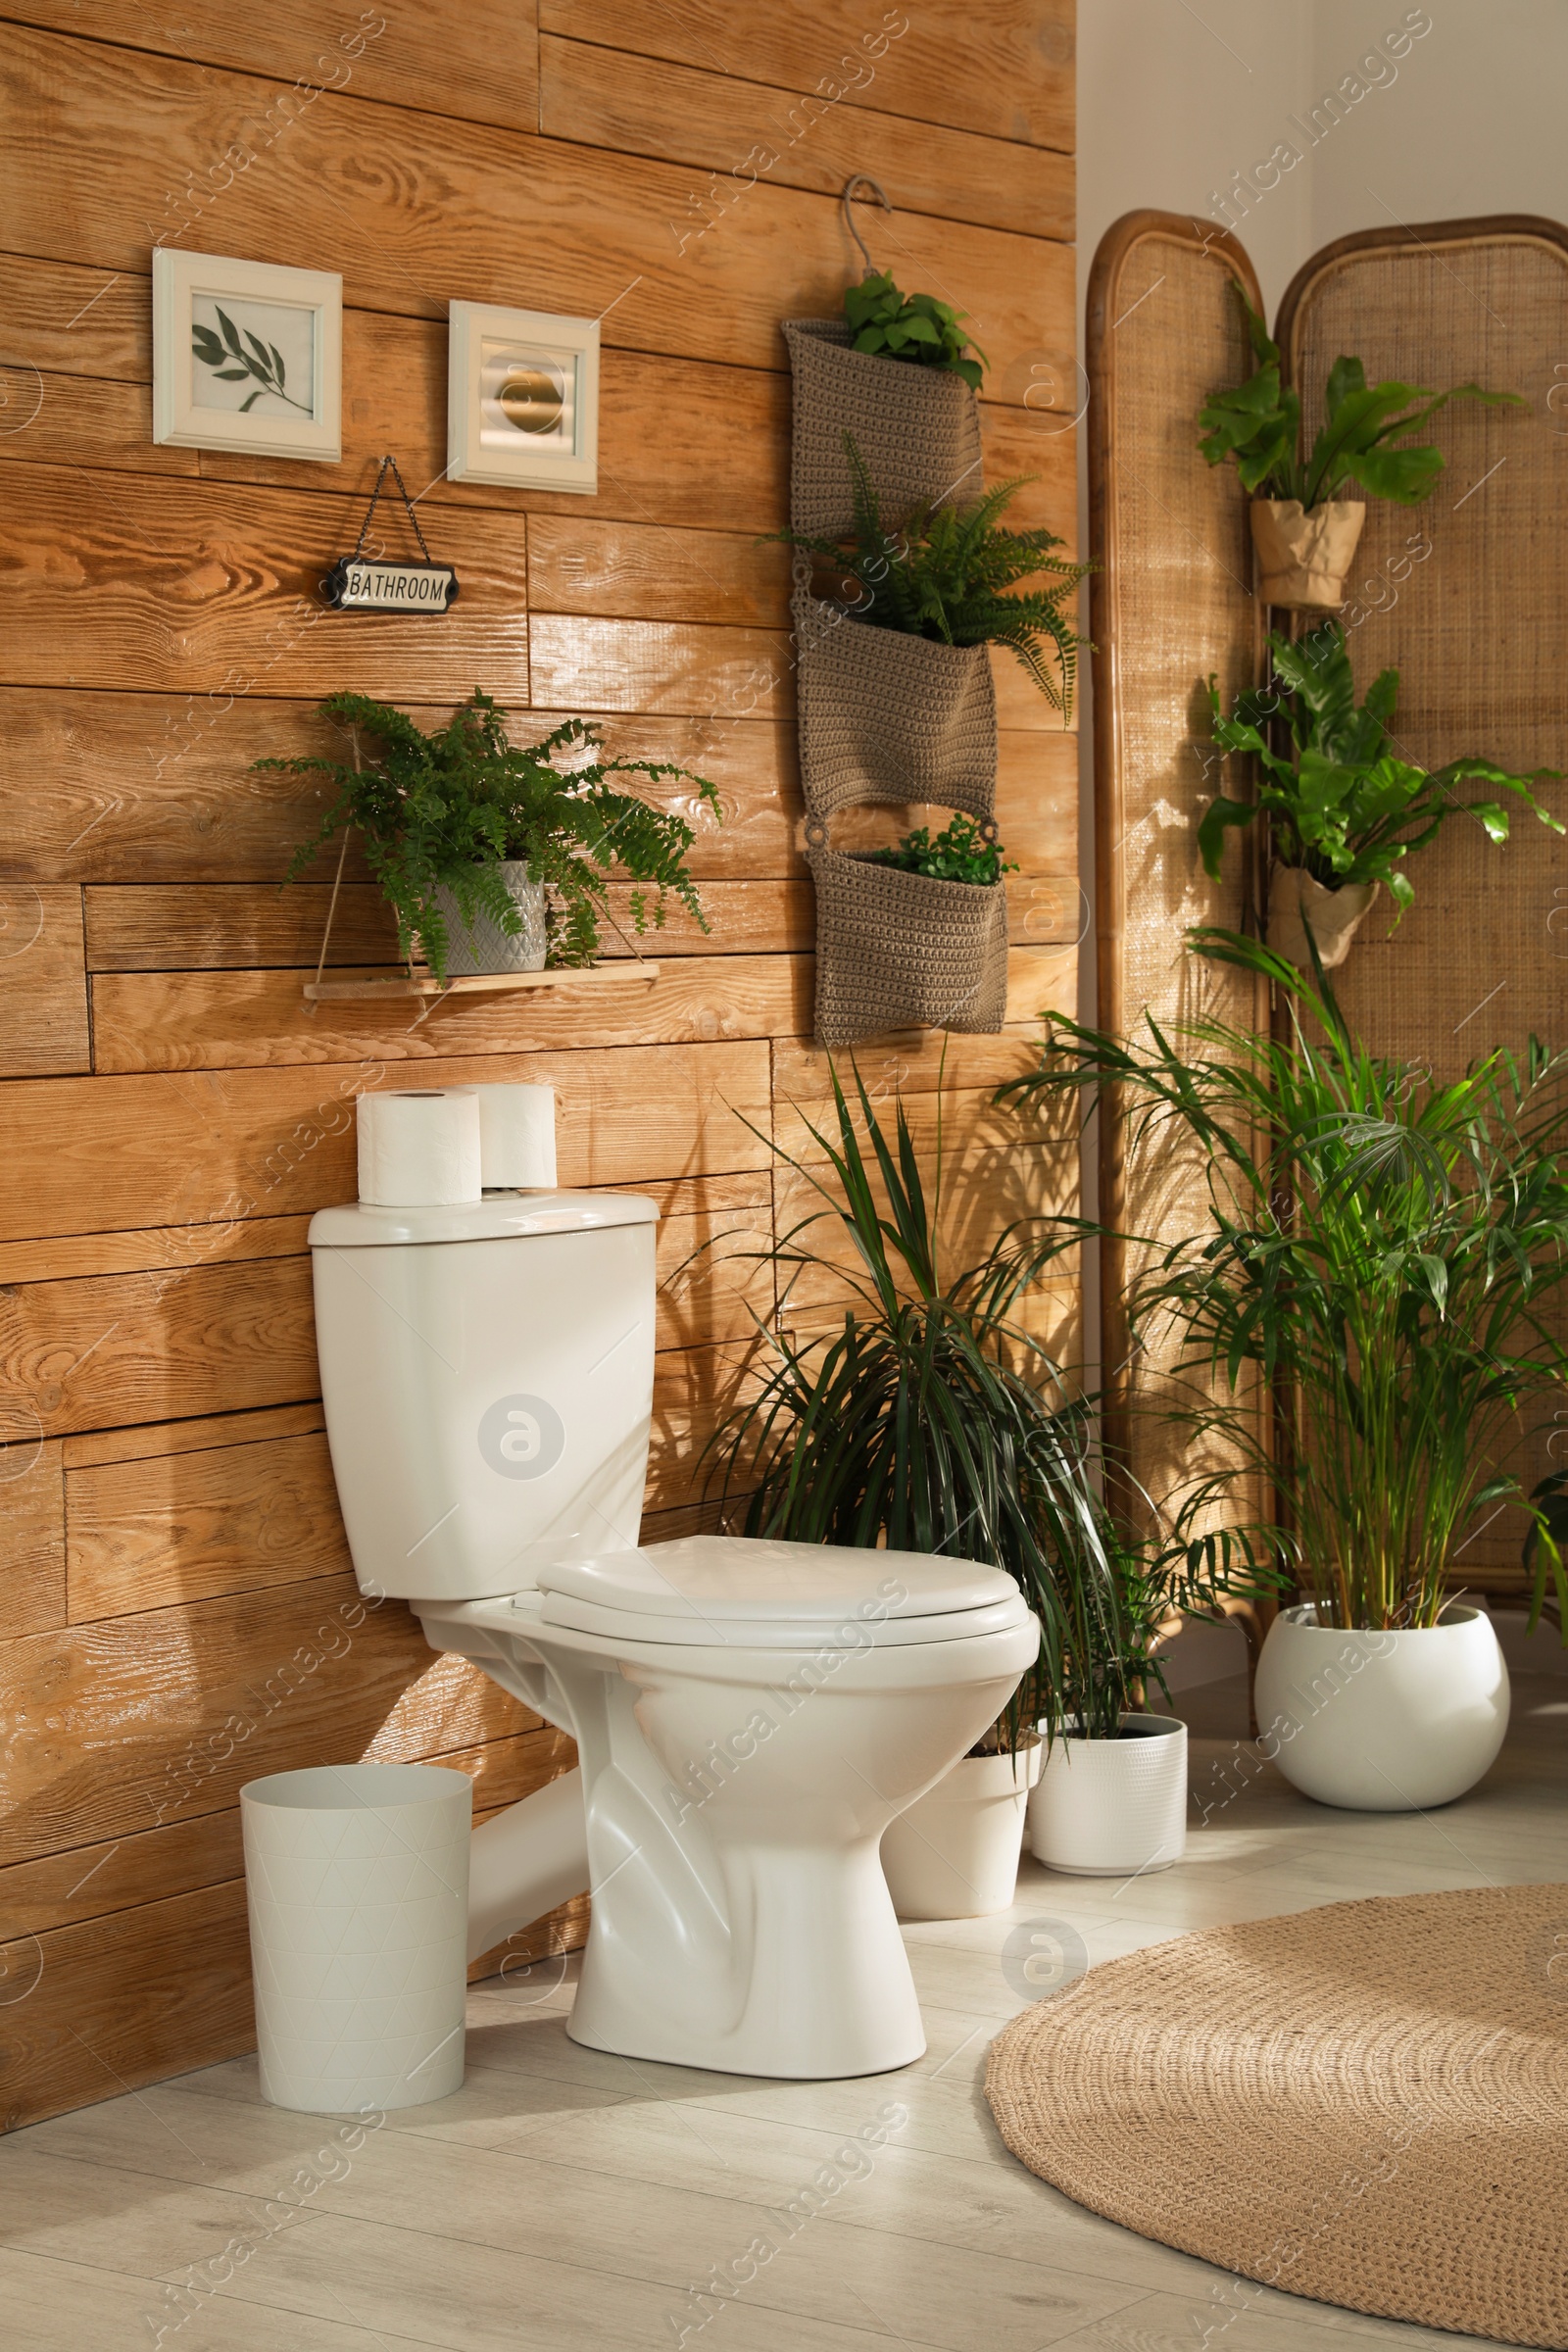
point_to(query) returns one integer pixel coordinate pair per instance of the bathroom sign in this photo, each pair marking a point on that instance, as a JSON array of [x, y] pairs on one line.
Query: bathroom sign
[[362, 583], [358, 584]]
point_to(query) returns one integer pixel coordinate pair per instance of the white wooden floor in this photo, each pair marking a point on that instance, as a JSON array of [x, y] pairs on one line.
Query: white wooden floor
[[566, 2199]]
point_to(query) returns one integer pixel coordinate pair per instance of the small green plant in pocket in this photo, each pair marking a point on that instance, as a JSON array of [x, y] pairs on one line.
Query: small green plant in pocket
[[1340, 803], [911, 326], [959, 853], [444, 810], [948, 573], [1365, 439]]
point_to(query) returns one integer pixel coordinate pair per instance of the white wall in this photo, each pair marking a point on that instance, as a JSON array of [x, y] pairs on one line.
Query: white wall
[[1474, 124], [1175, 100], [1171, 104]]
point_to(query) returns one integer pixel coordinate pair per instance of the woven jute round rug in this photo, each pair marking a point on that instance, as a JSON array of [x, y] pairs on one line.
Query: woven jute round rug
[[1366, 2104]]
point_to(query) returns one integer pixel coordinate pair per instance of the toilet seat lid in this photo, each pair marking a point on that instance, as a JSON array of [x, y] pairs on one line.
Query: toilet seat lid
[[728, 1590]]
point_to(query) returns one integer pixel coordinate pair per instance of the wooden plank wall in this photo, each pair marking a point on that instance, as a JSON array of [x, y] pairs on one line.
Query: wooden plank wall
[[179, 1609]]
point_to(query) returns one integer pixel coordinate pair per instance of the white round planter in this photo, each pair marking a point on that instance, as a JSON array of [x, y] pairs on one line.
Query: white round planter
[[1382, 1722], [1108, 1808], [357, 1878], [486, 948], [955, 1853]]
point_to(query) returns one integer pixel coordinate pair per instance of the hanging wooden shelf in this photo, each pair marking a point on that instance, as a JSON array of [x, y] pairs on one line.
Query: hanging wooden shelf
[[426, 985]]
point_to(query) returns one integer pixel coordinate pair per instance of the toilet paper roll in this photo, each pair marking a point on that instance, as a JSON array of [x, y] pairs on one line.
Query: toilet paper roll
[[420, 1150], [517, 1137]]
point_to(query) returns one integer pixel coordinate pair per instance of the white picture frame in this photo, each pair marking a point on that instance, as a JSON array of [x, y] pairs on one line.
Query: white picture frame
[[246, 356], [544, 436]]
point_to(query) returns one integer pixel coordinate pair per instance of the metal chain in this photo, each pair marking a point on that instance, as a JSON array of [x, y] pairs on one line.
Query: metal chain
[[370, 509]]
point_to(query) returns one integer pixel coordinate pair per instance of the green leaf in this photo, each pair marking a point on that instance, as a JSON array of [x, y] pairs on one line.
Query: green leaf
[[1345, 376], [1405, 475], [1218, 818], [230, 332]]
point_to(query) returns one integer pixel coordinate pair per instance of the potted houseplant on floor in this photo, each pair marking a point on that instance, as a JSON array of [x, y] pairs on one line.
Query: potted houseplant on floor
[[493, 856], [1384, 1253], [929, 1420], [1305, 535], [1345, 811], [1111, 1799], [933, 1419]]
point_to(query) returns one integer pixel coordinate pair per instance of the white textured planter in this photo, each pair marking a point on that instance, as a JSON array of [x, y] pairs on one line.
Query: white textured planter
[[487, 948], [1108, 1808], [1382, 1722], [955, 1853], [1298, 904], [357, 1877]]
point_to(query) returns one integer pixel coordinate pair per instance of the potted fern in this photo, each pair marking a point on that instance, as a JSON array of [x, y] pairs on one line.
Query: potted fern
[[908, 611], [1344, 811], [497, 856], [1305, 533]]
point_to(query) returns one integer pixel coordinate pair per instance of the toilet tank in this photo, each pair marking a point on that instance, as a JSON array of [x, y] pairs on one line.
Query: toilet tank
[[487, 1372]]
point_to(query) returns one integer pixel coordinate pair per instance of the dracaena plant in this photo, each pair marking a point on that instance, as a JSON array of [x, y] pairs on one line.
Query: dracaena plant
[[933, 1419], [1384, 1251], [910, 326], [442, 811], [950, 574], [1366, 437], [1341, 802]]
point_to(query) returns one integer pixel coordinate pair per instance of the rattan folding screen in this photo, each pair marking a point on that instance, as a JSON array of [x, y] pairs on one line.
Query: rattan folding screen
[[1466, 596], [1171, 602]]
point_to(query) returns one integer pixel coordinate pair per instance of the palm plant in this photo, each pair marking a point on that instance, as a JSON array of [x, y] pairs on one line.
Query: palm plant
[[933, 1421], [946, 574], [441, 810], [1382, 1250]]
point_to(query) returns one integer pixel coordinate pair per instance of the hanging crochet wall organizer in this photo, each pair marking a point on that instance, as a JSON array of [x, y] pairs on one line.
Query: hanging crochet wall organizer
[[888, 717]]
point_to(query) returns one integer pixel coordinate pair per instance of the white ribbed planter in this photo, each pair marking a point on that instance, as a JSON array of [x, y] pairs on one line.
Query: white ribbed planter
[[357, 1877], [487, 948], [1105, 1808], [1382, 1722], [955, 1853]]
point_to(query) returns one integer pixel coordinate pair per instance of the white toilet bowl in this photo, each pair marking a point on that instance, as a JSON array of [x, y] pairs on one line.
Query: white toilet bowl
[[750, 1716]]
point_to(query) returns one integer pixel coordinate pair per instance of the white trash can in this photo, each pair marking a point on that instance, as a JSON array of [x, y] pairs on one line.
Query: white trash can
[[357, 1877]]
